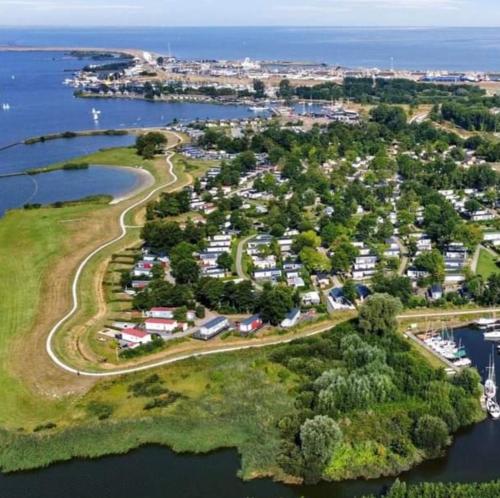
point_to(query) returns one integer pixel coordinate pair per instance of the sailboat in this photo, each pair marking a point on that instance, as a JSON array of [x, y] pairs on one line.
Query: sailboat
[[493, 408], [95, 114], [490, 386]]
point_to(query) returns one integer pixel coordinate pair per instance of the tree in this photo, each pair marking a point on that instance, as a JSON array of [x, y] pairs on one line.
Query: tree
[[330, 232], [148, 151], [393, 118], [440, 219], [395, 285], [275, 303], [318, 438], [180, 314], [349, 290], [470, 234], [259, 89], [161, 236], [344, 254], [225, 261], [306, 239], [186, 271], [431, 434], [200, 311], [469, 380], [314, 261], [433, 263], [285, 90], [491, 295], [378, 314], [150, 143]]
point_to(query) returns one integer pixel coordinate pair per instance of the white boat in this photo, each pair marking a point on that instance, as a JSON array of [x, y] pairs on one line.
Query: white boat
[[462, 362], [6, 107], [494, 334], [493, 408], [490, 385], [95, 114], [485, 322], [258, 109]]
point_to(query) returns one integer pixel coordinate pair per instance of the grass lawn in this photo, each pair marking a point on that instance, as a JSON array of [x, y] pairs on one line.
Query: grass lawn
[[486, 264]]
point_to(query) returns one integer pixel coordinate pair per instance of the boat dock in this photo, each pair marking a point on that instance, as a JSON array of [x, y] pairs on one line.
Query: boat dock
[[421, 343]]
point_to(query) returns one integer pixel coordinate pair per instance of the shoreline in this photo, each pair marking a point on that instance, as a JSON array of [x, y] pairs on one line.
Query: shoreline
[[144, 56], [145, 180], [135, 52]]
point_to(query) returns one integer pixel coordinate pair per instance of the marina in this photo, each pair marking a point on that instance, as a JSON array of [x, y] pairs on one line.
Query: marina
[[443, 345]]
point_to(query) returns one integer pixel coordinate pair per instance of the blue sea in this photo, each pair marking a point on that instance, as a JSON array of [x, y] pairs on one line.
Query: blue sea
[[411, 48]]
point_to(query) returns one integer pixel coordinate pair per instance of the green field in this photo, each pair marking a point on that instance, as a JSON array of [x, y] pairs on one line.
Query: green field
[[486, 264], [119, 156], [32, 242]]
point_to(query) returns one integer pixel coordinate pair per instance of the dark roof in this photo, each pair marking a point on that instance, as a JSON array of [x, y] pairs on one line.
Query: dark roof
[[362, 290], [214, 322], [436, 288], [337, 292], [293, 313]]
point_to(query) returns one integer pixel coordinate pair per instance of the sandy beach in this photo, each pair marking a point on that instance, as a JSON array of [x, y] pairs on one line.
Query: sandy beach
[[146, 180]]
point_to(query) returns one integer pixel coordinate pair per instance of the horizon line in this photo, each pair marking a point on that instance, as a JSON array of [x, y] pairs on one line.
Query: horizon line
[[219, 26]]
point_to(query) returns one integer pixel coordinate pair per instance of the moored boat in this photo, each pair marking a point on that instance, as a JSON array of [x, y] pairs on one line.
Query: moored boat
[[490, 385], [493, 408], [485, 322], [492, 335]]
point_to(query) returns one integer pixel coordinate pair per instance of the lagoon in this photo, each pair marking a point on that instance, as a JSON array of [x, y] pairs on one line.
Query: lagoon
[[67, 185]]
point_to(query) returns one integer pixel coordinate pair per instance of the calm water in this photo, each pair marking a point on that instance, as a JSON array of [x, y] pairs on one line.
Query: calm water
[[22, 157], [40, 104], [155, 472], [65, 186], [412, 48]]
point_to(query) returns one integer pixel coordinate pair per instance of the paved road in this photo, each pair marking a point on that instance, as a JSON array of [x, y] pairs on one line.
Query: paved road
[[475, 259], [83, 264], [239, 257], [404, 256], [418, 118], [252, 344]]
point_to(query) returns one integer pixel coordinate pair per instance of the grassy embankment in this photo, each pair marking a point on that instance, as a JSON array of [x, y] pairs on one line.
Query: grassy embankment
[[486, 264], [95, 311], [39, 251]]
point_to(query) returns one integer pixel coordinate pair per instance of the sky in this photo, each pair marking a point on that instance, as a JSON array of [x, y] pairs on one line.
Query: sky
[[250, 12]]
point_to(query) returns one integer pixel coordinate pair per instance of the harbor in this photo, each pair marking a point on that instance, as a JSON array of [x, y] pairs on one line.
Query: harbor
[[451, 349]]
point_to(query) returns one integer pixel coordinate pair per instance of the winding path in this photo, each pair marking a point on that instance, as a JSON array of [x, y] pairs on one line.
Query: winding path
[[83, 264]]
